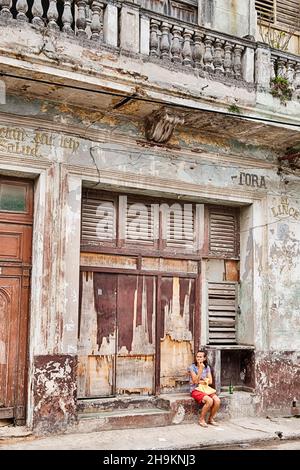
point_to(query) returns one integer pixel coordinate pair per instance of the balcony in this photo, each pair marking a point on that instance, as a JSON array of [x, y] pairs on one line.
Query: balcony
[[129, 51]]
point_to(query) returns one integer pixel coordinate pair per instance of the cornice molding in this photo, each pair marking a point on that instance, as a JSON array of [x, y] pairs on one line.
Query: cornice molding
[[106, 137]]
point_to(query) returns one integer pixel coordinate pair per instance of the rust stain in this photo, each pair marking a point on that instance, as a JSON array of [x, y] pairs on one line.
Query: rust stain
[[232, 271]]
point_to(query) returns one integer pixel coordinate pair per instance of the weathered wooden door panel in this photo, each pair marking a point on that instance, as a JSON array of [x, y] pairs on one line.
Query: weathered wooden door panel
[[16, 214], [10, 292], [136, 334], [15, 243], [97, 334], [123, 306], [177, 335]]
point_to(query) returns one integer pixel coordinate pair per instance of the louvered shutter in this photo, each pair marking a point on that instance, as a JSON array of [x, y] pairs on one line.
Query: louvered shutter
[[287, 13], [140, 221], [223, 232], [265, 10], [178, 225], [222, 307], [98, 220]]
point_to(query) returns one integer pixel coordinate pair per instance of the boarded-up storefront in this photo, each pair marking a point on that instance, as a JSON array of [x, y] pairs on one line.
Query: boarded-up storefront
[[140, 290]]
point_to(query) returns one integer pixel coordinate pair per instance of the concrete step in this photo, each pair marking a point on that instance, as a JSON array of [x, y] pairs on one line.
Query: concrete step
[[123, 419], [92, 405], [163, 410]]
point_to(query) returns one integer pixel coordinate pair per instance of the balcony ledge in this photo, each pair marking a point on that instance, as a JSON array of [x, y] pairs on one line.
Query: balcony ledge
[[45, 58]]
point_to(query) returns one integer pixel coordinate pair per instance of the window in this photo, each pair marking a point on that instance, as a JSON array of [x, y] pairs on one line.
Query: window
[[281, 12], [134, 222], [12, 197]]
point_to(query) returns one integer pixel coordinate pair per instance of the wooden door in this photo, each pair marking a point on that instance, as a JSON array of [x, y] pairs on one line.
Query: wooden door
[[177, 300], [135, 362], [97, 335], [116, 334], [16, 198]]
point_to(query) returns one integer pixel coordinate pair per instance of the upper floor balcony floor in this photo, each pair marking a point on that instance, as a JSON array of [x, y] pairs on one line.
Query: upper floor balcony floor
[[154, 49]]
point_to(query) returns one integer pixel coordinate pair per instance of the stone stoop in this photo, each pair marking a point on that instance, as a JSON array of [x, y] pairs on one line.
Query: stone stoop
[[238, 405], [164, 410]]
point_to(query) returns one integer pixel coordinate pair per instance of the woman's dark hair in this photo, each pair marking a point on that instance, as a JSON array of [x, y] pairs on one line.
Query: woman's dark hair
[[202, 350]]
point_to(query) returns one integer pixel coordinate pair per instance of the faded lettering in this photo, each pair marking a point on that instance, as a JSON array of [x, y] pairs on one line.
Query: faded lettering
[[284, 210], [252, 180]]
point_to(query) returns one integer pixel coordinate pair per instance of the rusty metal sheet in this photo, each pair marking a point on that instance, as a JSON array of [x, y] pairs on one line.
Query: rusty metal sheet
[[111, 303], [97, 334], [178, 308], [136, 334]]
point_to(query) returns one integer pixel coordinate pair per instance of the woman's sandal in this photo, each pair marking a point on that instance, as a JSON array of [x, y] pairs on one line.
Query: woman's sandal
[[203, 424], [213, 423]]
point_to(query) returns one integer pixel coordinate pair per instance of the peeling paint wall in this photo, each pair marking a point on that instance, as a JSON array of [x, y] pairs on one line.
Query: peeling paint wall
[[277, 379], [54, 391]]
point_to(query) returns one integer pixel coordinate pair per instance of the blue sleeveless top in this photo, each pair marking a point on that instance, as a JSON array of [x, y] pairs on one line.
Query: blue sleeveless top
[[194, 369]]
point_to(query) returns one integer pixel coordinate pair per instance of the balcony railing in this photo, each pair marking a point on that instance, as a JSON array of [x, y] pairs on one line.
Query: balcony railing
[[286, 65], [166, 41]]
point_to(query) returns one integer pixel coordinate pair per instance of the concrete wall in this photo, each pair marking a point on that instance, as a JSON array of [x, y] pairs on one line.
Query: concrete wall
[[236, 17]]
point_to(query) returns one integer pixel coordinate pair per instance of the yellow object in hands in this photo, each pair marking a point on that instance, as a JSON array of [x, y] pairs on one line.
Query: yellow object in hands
[[205, 388]]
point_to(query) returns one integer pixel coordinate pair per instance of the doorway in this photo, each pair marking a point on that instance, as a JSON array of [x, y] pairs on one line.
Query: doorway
[[136, 333], [16, 218]]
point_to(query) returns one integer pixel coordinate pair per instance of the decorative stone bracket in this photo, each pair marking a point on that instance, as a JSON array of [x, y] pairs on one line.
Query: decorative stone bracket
[[160, 125]]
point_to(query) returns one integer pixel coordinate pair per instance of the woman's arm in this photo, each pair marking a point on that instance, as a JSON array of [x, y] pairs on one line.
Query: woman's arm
[[196, 378], [209, 379]]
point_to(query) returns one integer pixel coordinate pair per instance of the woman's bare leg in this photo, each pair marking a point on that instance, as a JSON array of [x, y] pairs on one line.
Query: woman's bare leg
[[208, 403], [214, 409]]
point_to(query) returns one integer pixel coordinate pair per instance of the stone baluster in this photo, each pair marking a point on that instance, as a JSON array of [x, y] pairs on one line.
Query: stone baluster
[[67, 17], [5, 9], [52, 15], [297, 76], [228, 64], [165, 41], [237, 61], [281, 67], [187, 50], [81, 18], [197, 53], [218, 57], [290, 72], [37, 13], [22, 7], [176, 46], [154, 38], [272, 67], [208, 56], [97, 20]]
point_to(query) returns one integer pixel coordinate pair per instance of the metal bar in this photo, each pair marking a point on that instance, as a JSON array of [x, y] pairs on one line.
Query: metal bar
[[158, 334], [136, 271]]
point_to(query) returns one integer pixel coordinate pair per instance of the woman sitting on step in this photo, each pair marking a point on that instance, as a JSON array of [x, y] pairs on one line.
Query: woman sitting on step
[[200, 377]]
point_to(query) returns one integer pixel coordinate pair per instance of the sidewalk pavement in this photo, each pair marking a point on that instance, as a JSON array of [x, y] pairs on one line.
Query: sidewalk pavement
[[243, 431]]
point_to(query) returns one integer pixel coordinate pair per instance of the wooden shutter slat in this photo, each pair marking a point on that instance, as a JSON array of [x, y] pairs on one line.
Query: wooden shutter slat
[[222, 312], [223, 231], [98, 222], [265, 9]]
